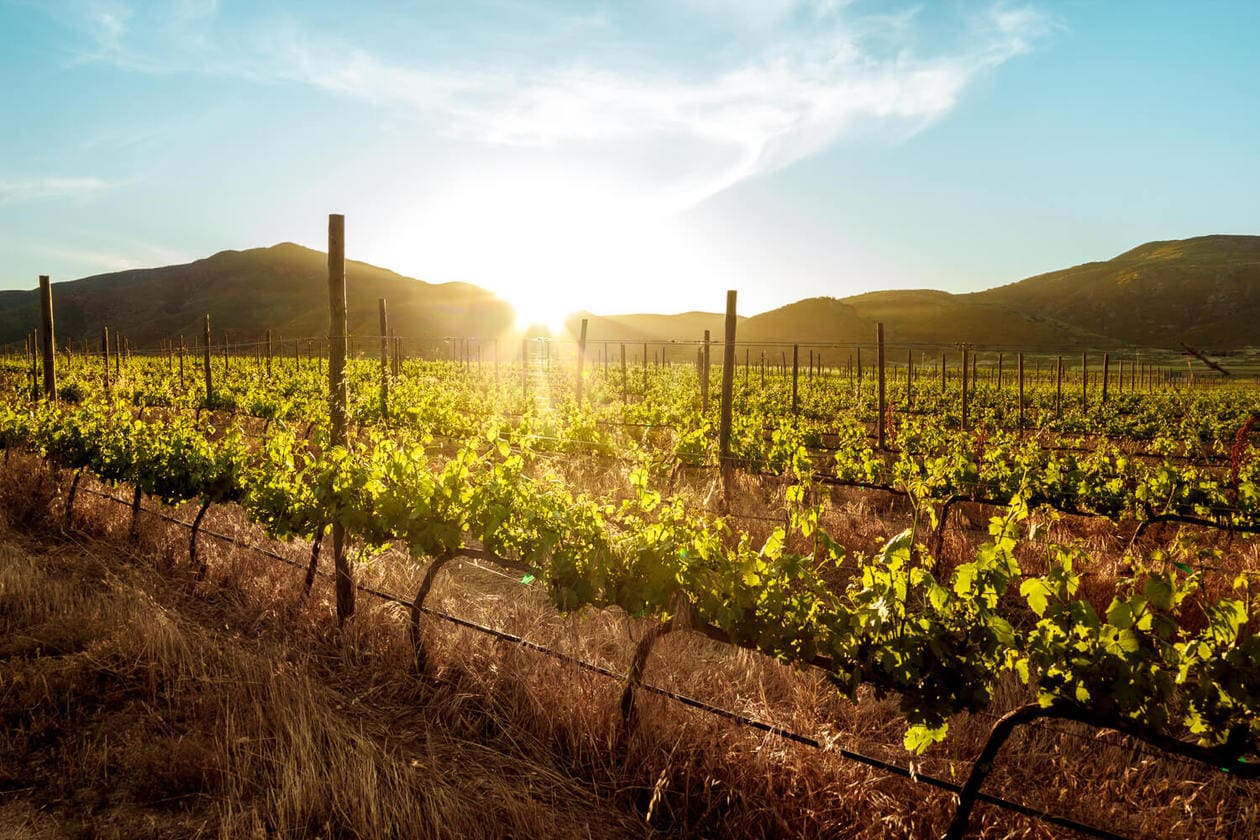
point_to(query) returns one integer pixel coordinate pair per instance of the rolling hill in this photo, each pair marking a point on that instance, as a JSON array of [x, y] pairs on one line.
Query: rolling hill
[[283, 288], [1203, 291]]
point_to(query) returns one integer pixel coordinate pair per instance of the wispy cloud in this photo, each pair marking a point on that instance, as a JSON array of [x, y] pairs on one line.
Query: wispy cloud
[[802, 75], [809, 85], [17, 190]]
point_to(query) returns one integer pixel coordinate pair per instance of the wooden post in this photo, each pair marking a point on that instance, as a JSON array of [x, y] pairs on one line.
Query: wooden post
[[704, 376], [942, 374], [105, 355], [963, 381], [1021, 390], [1106, 375], [1084, 381], [1001, 356], [117, 355], [269, 352], [728, 385], [209, 380], [1058, 387], [32, 364], [909, 378], [384, 318], [581, 361], [796, 352], [625, 388], [859, 371], [337, 396], [881, 408], [524, 366], [181, 362], [49, 343]]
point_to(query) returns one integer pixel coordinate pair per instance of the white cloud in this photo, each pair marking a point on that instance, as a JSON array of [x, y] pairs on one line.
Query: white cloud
[[572, 136], [809, 86]]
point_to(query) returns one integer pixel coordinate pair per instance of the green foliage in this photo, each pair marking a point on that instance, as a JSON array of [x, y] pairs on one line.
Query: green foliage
[[463, 461]]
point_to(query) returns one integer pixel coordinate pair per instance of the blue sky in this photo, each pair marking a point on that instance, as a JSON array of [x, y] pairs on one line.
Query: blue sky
[[628, 156]]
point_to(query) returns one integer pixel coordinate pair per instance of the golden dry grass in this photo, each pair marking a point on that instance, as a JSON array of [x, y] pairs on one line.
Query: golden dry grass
[[139, 702]]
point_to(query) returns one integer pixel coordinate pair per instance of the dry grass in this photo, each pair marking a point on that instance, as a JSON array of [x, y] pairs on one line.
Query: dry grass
[[138, 702]]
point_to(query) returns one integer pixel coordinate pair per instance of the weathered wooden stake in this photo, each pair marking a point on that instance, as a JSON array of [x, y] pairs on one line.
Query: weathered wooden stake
[[881, 431], [49, 343], [209, 380], [384, 317], [704, 375], [963, 380], [728, 385], [105, 354], [524, 366], [1021, 390], [1058, 387], [909, 378], [796, 353], [1084, 381], [337, 395], [625, 381], [1106, 375], [581, 361]]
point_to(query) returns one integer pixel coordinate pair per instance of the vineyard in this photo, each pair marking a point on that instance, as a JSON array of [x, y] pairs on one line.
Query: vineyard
[[718, 496]]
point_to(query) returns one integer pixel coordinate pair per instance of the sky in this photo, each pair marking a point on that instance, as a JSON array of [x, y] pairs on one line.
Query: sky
[[628, 156]]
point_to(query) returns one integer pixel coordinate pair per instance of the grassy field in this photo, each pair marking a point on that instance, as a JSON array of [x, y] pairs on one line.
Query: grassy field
[[141, 702]]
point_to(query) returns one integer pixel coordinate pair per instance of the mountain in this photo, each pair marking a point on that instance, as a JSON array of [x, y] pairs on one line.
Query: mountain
[[1203, 291], [922, 317], [283, 288]]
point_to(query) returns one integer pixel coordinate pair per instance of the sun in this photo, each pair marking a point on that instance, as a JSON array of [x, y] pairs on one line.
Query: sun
[[549, 243], [541, 311]]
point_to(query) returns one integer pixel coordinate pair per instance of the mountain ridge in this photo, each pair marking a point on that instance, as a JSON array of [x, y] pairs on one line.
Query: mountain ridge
[[1203, 291]]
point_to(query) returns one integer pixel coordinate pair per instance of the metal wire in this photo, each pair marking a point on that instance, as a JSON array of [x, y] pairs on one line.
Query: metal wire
[[682, 699]]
